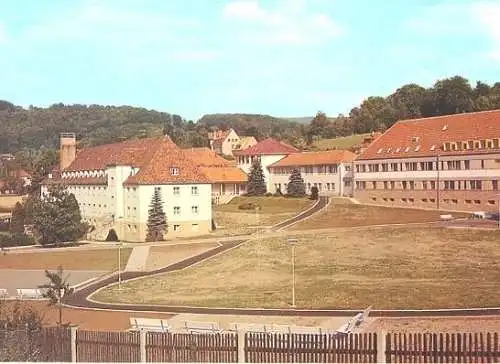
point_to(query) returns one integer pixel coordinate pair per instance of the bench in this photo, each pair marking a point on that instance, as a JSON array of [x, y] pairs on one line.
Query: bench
[[3, 293], [29, 293], [194, 327], [249, 327], [148, 324]]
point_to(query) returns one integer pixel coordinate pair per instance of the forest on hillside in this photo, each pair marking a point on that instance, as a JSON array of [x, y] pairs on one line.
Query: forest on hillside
[[27, 130]]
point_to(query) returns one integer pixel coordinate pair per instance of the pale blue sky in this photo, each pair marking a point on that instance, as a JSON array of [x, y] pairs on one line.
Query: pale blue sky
[[278, 57]]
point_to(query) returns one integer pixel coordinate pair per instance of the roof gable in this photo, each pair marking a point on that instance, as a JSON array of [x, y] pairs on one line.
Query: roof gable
[[268, 146], [426, 137]]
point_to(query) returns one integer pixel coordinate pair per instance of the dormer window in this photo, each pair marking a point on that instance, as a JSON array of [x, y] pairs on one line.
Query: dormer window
[[174, 171], [397, 150], [407, 149], [417, 148], [389, 150], [379, 151]]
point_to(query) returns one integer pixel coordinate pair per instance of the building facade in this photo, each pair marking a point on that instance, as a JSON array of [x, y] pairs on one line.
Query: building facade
[[226, 178], [225, 142], [446, 163], [329, 171], [269, 151], [114, 185]]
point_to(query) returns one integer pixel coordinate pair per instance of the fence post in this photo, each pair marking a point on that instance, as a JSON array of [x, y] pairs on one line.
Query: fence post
[[142, 345], [73, 343], [381, 346], [241, 346]]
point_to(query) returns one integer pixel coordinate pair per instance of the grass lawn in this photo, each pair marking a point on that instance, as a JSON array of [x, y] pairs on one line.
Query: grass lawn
[[342, 213], [392, 268], [78, 259], [232, 221], [340, 143], [162, 256]]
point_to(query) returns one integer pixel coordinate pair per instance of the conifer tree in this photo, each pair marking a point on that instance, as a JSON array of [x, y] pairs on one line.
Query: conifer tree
[[296, 186], [157, 220], [256, 182], [17, 220]]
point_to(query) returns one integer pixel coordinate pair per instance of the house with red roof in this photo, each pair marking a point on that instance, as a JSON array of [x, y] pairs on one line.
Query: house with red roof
[[225, 142], [447, 163], [269, 151], [114, 185], [329, 171]]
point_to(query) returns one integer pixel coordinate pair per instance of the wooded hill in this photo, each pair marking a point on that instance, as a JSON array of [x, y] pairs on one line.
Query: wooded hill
[[25, 129]]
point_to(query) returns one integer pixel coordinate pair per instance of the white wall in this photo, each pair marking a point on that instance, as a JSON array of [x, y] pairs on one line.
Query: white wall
[[266, 161]]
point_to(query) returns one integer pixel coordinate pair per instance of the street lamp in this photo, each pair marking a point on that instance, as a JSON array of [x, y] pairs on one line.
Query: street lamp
[[293, 242], [119, 265]]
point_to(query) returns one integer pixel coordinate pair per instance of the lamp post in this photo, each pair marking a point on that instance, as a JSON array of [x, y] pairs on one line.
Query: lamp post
[[119, 265], [293, 242]]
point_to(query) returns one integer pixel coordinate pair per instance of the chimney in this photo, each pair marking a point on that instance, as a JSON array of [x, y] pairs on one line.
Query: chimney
[[67, 152]]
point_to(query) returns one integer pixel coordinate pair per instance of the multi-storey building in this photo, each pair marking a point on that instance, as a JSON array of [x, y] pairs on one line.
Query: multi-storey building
[[227, 179], [114, 185], [329, 171], [269, 151], [225, 142], [448, 162]]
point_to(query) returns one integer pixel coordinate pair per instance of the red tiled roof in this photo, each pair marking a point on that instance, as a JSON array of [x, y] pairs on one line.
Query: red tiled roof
[[158, 169], [425, 137], [315, 158], [224, 174], [268, 146], [206, 157], [133, 153]]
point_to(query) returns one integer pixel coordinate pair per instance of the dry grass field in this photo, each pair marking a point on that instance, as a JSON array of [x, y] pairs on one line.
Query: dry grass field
[[232, 221], [339, 143], [392, 268], [162, 256], [342, 213], [7, 203], [97, 259]]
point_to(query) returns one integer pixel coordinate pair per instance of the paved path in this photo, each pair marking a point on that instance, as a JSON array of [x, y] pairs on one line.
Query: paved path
[[317, 207], [138, 259]]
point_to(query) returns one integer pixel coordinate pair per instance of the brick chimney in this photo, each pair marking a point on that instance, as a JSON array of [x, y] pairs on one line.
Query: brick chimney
[[67, 152]]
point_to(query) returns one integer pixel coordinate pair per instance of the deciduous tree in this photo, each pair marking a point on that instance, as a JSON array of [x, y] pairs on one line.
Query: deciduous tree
[[56, 288]]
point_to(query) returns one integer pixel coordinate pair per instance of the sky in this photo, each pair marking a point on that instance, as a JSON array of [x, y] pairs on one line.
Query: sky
[[279, 57]]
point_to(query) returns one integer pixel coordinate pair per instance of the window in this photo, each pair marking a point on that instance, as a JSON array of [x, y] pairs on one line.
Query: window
[[404, 200], [405, 185], [476, 185], [177, 191], [411, 200], [468, 201], [433, 185], [194, 191], [374, 199], [332, 169], [412, 185], [482, 164], [394, 167], [432, 200], [454, 201], [393, 185], [424, 200], [477, 202], [195, 227], [177, 210], [494, 185], [424, 185], [177, 228], [466, 164], [392, 199], [491, 202], [174, 171], [374, 185], [453, 165], [449, 185], [194, 210], [385, 167], [385, 185], [328, 186]]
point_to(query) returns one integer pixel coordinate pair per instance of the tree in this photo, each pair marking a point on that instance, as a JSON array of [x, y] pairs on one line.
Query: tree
[[314, 193], [453, 96], [56, 217], [18, 219], [15, 185], [157, 220], [57, 287], [256, 181], [296, 186]]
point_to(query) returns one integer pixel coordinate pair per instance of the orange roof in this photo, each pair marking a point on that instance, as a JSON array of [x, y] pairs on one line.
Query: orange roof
[[224, 174], [206, 157], [158, 170], [315, 158], [425, 137], [135, 153], [268, 146]]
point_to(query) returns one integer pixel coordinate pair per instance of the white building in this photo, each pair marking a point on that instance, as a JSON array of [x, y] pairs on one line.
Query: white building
[[329, 171], [269, 151], [114, 184]]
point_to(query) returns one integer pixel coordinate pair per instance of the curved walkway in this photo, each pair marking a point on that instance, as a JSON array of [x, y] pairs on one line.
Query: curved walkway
[[79, 298]]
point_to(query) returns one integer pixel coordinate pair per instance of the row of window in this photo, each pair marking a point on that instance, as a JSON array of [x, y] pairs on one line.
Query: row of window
[[322, 169], [421, 166], [175, 227], [177, 190], [477, 185], [328, 186], [432, 200]]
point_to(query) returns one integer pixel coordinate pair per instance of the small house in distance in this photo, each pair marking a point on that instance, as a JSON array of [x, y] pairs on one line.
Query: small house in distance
[[224, 142]]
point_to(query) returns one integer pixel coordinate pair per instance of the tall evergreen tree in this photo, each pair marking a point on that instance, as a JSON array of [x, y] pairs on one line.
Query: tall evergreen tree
[[256, 182], [157, 220], [56, 217], [296, 186], [17, 220]]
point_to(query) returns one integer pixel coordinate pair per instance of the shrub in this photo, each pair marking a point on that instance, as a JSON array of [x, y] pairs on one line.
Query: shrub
[[15, 240], [314, 193], [247, 206]]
